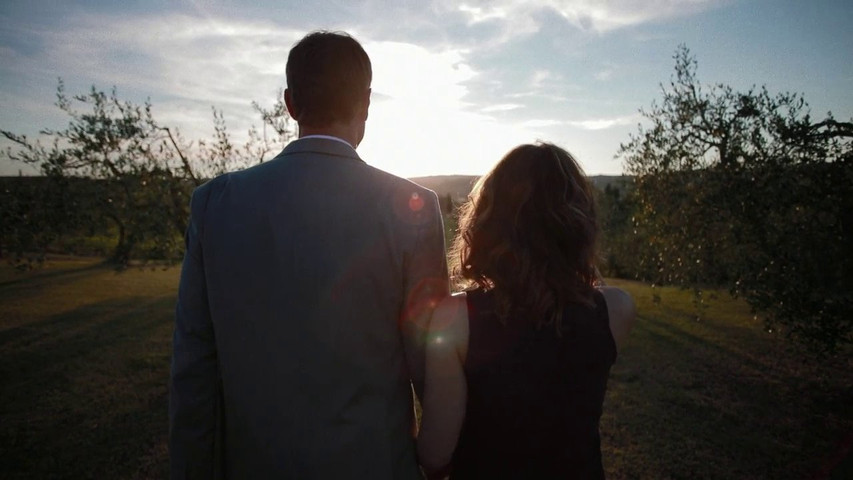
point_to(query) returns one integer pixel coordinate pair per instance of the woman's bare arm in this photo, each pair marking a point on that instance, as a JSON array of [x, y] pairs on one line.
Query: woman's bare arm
[[445, 389], [622, 312]]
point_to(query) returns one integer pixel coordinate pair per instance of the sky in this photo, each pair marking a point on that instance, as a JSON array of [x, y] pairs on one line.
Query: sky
[[456, 84]]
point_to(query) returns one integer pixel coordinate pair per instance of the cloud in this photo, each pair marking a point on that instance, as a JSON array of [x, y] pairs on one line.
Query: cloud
[[605, 123], [607, 71], [478, 15], [604, 75], [423, 123], [214, 60], [422, 118], [185, 63], [420, 76], [540, 95], [540, 123], [540, 77], [588, 15], [420, 121], [545, 85], [501, 107]]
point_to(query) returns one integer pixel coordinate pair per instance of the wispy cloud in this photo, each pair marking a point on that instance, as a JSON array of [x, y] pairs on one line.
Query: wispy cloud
[[216, 61], [541, 78], [501, 107], [185, 63], [541, 123], [537, 94], [420, 121], [420, 76], [479, 14], [544, 84], [589, 15], [605, 123], [424, 123], [437, 106], [604, 75]]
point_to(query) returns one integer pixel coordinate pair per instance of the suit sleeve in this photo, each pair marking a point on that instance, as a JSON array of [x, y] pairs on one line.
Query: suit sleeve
[[426, 284], [194, 378]]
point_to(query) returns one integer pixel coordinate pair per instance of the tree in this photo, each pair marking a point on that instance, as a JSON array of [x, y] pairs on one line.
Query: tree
[[616, 207], [143, 173], [29, 223], [747, 190]]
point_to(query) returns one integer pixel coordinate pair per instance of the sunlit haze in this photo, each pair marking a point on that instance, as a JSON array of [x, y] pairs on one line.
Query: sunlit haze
[[456, 84]]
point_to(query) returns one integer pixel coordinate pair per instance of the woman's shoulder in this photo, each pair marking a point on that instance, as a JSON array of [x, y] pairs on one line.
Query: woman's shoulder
[[455, 298], [450, 311], [616, 297], [449, 324], [621, 312]]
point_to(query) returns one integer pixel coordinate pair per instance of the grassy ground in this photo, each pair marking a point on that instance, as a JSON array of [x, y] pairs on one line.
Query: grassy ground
[[720, 397], [84, 359]]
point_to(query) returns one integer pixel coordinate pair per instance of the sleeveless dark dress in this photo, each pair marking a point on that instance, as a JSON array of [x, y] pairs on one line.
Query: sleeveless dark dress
[[534, 399]]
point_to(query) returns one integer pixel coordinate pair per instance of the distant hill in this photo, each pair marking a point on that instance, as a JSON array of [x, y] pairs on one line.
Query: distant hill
[[459, 186], [619, 182]]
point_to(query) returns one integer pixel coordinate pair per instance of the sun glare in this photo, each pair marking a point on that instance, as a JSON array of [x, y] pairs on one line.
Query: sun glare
[[419, 122]]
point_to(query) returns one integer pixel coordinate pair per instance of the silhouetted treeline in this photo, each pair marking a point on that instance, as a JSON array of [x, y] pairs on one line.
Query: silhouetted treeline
[[742, 190], [141, 173]]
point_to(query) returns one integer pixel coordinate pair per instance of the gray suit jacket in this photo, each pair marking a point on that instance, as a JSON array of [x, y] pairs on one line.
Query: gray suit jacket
[[304, 291]]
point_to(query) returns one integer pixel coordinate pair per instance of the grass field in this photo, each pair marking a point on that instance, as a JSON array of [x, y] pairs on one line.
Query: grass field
[[84, 360]]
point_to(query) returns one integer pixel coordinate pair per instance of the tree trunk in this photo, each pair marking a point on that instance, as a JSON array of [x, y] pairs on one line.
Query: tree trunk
[[121, 253]]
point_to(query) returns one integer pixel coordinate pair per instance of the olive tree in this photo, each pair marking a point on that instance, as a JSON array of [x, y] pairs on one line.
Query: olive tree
[[140, 173], [747, 190]]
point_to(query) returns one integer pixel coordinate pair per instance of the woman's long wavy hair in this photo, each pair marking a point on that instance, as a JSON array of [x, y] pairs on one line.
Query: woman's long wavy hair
[[528, 233]]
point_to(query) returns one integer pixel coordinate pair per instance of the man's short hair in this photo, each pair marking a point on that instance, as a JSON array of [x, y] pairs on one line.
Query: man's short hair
[[328, 75]]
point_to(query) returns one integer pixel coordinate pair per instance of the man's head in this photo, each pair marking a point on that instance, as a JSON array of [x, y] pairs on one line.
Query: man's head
[[328, 80]]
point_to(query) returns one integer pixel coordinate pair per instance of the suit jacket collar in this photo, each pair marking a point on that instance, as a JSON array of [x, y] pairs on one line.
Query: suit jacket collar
[[323, 146]]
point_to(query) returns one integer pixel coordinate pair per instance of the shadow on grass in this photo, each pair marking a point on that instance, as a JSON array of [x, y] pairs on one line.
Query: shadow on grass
[[75, 271], [685, 401], [84, 392]]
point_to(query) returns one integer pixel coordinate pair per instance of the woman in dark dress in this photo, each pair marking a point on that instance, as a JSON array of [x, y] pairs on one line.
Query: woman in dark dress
[[517, 364]]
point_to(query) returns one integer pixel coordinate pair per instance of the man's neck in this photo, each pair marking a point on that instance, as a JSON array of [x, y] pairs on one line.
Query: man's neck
[[349, 133]]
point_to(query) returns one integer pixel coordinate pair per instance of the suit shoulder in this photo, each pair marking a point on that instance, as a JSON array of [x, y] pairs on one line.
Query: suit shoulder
[[412, 203], [203, 192], [402, 186], [213, 184]]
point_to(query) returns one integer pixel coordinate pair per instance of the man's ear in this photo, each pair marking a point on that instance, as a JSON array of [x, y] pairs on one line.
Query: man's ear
[[366, 104], [288, 102]]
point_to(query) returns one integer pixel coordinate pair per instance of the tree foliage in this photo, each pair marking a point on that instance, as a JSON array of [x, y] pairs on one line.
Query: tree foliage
[[747, 190], [140, 175], [617, 244], [25, 231]]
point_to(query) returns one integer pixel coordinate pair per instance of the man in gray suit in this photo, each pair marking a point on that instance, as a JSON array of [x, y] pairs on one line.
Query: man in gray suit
[[304, 293]]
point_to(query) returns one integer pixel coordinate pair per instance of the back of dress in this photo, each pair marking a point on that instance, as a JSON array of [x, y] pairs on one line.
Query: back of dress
[[534, 398]]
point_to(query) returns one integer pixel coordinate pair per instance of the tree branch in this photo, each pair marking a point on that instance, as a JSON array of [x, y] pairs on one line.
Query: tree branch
[[186, 163]]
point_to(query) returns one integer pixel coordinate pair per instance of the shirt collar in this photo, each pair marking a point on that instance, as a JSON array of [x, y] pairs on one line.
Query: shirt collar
[[329, 137]]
